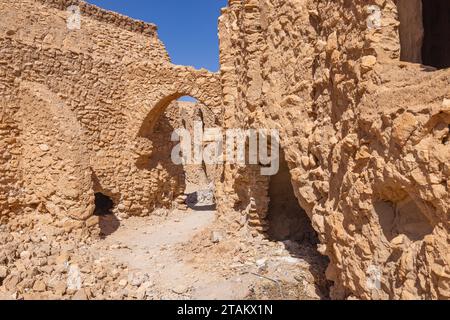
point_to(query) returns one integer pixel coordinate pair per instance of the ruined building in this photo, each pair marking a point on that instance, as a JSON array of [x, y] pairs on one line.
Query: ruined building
[[359, 90]]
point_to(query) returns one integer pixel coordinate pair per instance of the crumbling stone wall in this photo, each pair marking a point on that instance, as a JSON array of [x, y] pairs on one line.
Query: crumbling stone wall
[[364, 134], [75, 104]]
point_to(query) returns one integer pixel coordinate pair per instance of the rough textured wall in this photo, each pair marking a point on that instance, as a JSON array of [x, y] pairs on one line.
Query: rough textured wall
[[365, 137], [75, 107]]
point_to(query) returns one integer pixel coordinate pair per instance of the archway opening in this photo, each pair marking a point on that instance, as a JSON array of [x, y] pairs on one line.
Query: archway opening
[[103, 205], [199, 176], [286, 219], [189, 183], [108, 222], [288, 222], [425, 32]]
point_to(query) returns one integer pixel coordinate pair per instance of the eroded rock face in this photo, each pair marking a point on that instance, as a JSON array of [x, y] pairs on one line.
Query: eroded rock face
[[365, 137]]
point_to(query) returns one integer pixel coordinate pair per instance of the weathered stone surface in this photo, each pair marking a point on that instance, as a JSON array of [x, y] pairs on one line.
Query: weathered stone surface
[[365, 136], [74, 136]]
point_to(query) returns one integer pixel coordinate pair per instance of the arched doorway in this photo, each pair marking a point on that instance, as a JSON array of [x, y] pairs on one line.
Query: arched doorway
[[174, 184], [276, 214], [286, 219]]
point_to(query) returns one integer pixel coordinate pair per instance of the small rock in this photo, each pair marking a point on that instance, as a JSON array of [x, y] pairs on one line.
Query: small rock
[[144, 290], [92, 221], [141, 293], [39, 286], [11, 282], [147, 285], [399, 240], [115, 273], [62, 259], [123, 283], [261, 263], [136, 279], [446, 102], [80, 295], [3, 272], [44, 147], [180, 289], [368, 62], [71, 224], [100, 274], [60, 288], [74, 278], [216, 237], [25, 255]]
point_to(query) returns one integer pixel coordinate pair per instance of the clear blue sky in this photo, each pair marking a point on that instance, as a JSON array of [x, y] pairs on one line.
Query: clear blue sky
[[188, 28]]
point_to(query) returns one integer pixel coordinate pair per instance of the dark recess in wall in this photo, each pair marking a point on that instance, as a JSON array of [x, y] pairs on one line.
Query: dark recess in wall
[[436, 44]]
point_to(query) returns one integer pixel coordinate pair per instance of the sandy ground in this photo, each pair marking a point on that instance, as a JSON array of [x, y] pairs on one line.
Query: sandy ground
[[152, 250], [176, 255], [185, 253]]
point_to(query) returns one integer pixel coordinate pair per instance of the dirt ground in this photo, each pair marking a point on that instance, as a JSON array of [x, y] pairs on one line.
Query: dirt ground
[[186, 253], [183, 255]]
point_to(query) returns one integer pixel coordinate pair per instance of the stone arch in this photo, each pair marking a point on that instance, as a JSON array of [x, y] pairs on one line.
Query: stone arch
[[287, 219], [157, 110], [150, 90], [276, 208], [168, 83]]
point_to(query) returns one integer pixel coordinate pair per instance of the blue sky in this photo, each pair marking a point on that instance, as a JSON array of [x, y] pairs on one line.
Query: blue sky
[[188, 28]]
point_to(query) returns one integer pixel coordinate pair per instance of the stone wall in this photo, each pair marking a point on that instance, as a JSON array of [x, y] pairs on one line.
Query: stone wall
[[365, 137], [75, 104]]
